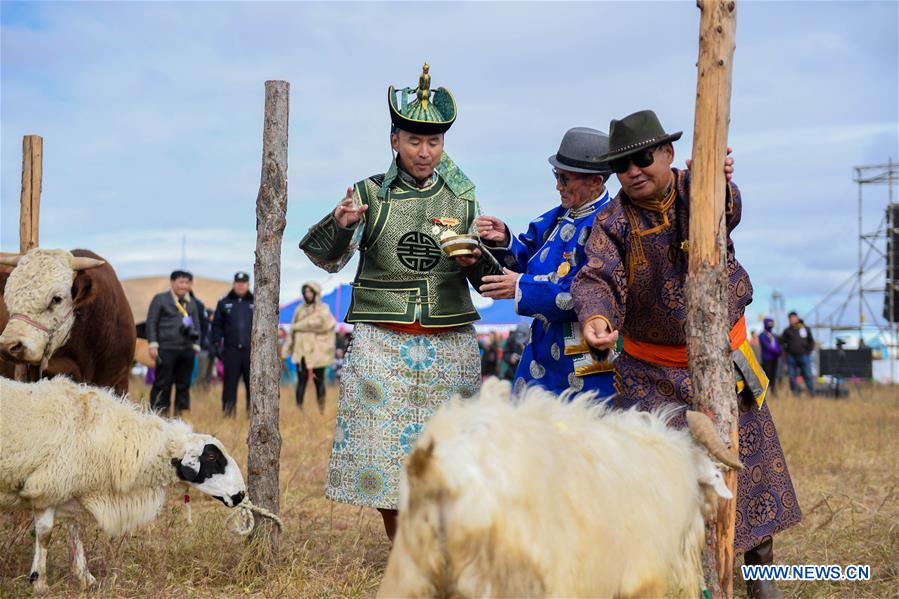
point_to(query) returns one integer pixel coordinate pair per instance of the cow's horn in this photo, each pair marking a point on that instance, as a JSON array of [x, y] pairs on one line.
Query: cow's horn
[[704, 433], [83, 263], [10, 260]]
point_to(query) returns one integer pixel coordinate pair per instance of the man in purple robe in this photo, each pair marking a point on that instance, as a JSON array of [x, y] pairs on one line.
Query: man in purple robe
[[633, 286]]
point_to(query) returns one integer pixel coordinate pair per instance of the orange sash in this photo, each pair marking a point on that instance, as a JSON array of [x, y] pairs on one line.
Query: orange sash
[[675, 356]]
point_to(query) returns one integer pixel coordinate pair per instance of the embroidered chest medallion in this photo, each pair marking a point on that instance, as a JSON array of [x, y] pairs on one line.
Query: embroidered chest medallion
[[418, 251]]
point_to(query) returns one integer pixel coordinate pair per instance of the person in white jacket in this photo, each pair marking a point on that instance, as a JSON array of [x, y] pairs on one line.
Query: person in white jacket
[[312, 342]]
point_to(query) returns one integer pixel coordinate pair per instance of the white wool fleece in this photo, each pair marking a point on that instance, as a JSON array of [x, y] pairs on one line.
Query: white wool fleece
[[538, 495], [62, 441]]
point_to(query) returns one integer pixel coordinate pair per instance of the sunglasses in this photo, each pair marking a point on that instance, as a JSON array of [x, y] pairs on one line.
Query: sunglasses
[[563, 178], [641, 159]]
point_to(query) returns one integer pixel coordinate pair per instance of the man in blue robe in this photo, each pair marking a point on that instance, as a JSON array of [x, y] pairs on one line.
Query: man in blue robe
[[541, 264]]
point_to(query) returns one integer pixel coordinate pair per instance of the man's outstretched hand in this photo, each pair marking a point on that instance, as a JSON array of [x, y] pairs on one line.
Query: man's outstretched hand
[[493, 229], [500, 286], [347, 213]]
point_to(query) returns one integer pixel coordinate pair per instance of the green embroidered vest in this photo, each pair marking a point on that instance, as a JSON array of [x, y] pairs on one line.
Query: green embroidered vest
[[403, 275]]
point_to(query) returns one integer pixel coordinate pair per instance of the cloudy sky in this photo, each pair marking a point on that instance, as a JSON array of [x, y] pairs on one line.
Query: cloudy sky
[[151, 115]]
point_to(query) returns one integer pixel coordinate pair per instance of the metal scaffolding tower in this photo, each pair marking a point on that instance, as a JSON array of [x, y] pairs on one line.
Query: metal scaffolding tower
[[875, 264]]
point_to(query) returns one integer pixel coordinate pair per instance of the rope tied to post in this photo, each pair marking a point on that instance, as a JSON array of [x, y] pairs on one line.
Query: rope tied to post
[[241, 520]]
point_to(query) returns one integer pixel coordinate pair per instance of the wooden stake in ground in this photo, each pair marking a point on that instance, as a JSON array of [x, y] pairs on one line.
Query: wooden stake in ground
[[29, 217], [707, 299], [264, 439]]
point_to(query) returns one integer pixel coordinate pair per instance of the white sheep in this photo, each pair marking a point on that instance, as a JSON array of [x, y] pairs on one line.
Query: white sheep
[[537, 496], [65, 446]]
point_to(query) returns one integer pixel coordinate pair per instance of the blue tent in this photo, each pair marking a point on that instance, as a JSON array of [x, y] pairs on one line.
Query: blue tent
[[500, 312]]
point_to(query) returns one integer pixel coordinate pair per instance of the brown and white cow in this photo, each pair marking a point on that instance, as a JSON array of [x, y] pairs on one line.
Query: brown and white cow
[[67, 312]]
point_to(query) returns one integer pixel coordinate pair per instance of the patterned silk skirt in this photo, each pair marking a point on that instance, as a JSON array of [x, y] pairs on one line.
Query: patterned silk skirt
[[766, 500], [391, 384]]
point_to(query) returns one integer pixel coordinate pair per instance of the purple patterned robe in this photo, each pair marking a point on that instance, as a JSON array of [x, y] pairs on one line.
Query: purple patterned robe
[[635, 278]]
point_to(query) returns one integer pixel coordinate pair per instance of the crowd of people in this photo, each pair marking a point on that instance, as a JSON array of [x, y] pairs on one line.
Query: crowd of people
[[192, 345], [206, 346], [501, 352], [793, 349]]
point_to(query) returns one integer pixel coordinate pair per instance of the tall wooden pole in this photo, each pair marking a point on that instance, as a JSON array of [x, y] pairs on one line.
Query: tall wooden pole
[[29, 216], [264, 439], [707, 297], [30, 207]]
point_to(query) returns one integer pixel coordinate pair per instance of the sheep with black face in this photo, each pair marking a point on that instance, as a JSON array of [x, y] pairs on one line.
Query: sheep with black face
[[67, 446]]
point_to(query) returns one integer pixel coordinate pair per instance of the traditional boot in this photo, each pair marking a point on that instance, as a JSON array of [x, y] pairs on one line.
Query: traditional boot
[[762, 555]]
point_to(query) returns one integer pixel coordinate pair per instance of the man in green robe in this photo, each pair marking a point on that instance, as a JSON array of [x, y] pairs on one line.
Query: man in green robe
[[413, 344]]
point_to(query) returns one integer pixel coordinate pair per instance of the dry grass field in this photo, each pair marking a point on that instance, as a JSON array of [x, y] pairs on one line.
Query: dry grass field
[[842, 455]]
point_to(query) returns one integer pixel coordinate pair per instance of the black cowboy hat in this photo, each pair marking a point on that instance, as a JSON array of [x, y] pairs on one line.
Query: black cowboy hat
[[580, 152], [636, 132]]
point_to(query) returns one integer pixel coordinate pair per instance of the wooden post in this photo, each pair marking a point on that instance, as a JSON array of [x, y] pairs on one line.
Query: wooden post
[[707, 296], [30, 207], [29, 216], [264, 439]]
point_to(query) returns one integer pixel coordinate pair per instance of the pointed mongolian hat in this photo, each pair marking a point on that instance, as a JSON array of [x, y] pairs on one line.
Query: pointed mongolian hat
[[428, 113], [636, 132]]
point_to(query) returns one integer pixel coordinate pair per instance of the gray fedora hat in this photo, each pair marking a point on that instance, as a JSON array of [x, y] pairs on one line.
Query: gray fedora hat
[[580, 152]]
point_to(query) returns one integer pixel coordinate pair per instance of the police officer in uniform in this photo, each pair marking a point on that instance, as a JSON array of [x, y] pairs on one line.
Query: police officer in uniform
[[231, 328]]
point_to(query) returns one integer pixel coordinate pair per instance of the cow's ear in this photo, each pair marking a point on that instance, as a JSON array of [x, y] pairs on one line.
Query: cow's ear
[[82, 288]]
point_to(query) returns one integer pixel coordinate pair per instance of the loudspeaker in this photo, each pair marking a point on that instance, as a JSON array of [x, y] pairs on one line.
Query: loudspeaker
[[847, 363], [892, 264]]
